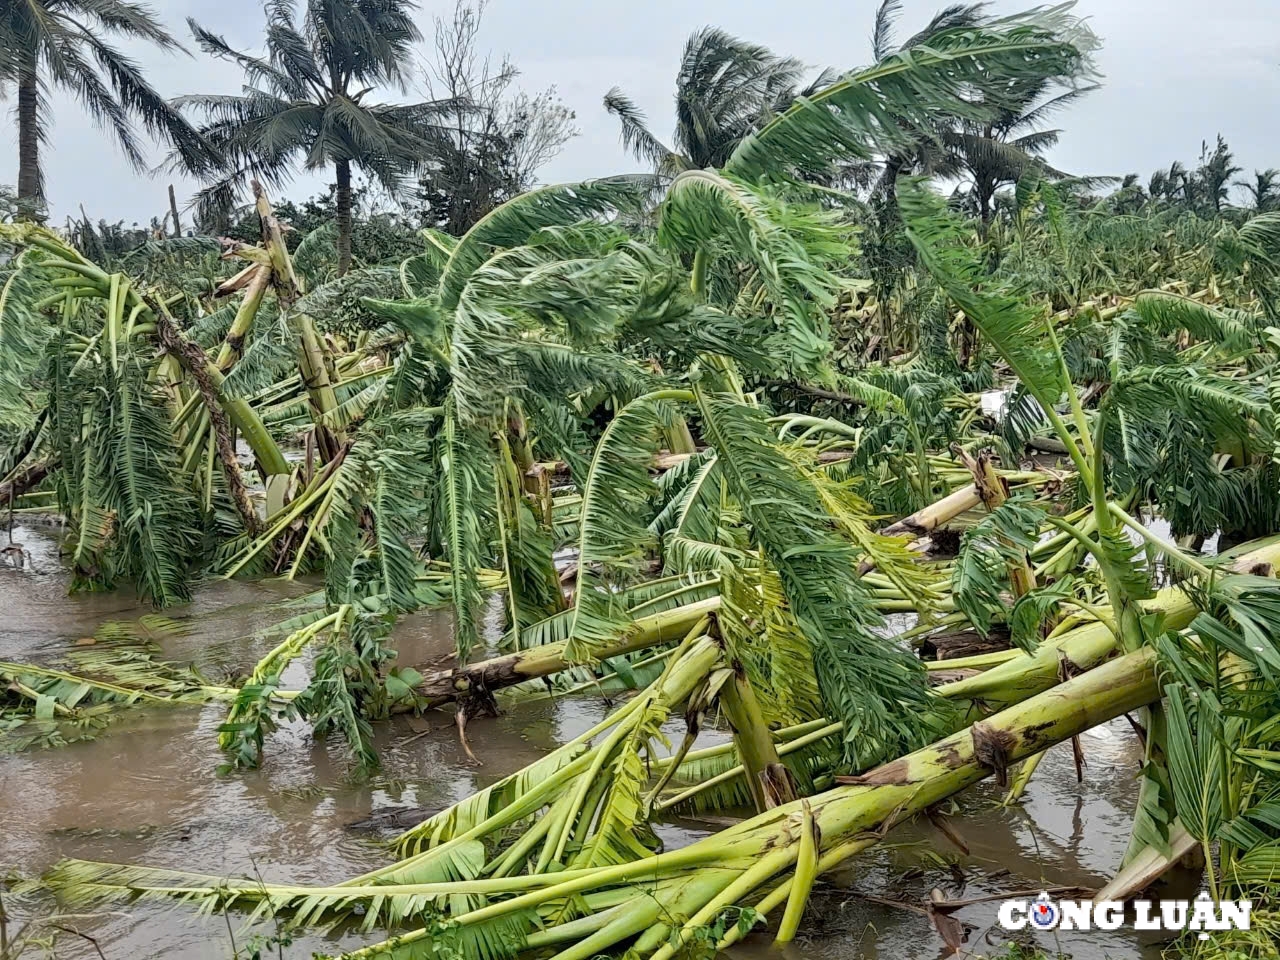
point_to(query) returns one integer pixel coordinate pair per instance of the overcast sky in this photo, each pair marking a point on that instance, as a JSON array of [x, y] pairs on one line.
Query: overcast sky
[[1176, 72]]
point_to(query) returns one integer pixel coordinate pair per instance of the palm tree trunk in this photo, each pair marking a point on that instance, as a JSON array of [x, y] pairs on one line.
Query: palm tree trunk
[[173, 210], [985, 195], [893, 166], [344, 216], [30, 186]]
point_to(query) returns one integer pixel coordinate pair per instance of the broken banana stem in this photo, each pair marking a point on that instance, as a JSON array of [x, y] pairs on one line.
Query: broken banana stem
[[1086, 646], [802, 882], [745, 858]]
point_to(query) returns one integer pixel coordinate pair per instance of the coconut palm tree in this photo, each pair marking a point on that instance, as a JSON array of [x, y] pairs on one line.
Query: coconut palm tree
[[1178, 184], [1131, 196], [1002, 149], [725, 89], [308, 101], [65, 43], [1263, 192], [983, 149]]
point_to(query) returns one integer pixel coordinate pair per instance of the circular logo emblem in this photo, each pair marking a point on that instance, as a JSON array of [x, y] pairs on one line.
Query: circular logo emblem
[[1044, 915]]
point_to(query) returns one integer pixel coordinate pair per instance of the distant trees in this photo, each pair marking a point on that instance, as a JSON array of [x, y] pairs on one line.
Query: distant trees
[[492, 138], [1205, 190], [381, 233], [1214, 173], [309, 103], [313, 100], [923, 153], [988, 155], [1262, 191]]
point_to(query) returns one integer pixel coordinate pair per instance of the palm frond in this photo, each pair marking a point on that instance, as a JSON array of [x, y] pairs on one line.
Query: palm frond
[[23, 333], [1013, 326], [979, 580], [617, 499], [761, 633], [513, 223], [871, 111], [882, 34], [615, 838], [455, 822], [787, 245], [80, 694], [873, 686], [636, 138], [1167, 313], [466, 502]]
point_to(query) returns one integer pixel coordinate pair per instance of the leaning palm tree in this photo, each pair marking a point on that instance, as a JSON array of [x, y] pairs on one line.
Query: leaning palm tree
[[1174, 185], [1263, 192], [725, 89], [64, 43], [307, 100]]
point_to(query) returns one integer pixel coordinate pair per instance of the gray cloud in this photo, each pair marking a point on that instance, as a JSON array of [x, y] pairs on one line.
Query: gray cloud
[[1176, 72]]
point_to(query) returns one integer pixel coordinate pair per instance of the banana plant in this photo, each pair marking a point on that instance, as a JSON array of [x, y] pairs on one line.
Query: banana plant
[[109, 424], [657, 902], [1029, 344]]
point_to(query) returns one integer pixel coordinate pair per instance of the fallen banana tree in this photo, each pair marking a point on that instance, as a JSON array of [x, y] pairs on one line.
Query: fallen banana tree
[[565, 787], [1015, 676], [82, 691], [73, 698], [519, 866], [1088, 645], [1009, 677], [603, 623], [584, 911], [654, 629], [662, 611]]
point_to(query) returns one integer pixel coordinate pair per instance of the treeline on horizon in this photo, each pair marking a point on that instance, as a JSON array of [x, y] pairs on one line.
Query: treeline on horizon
[[479, 140]]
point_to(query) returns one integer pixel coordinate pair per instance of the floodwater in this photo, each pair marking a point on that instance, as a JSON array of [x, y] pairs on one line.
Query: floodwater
[[146, 791]]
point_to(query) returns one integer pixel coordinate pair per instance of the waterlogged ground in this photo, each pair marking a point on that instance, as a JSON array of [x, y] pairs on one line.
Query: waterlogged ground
[[147, 791]]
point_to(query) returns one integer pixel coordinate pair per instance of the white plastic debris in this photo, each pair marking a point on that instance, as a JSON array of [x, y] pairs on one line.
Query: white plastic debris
[[994, 402]]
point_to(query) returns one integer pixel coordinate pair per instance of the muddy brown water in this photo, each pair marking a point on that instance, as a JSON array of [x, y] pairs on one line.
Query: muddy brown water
[[147, 792]]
